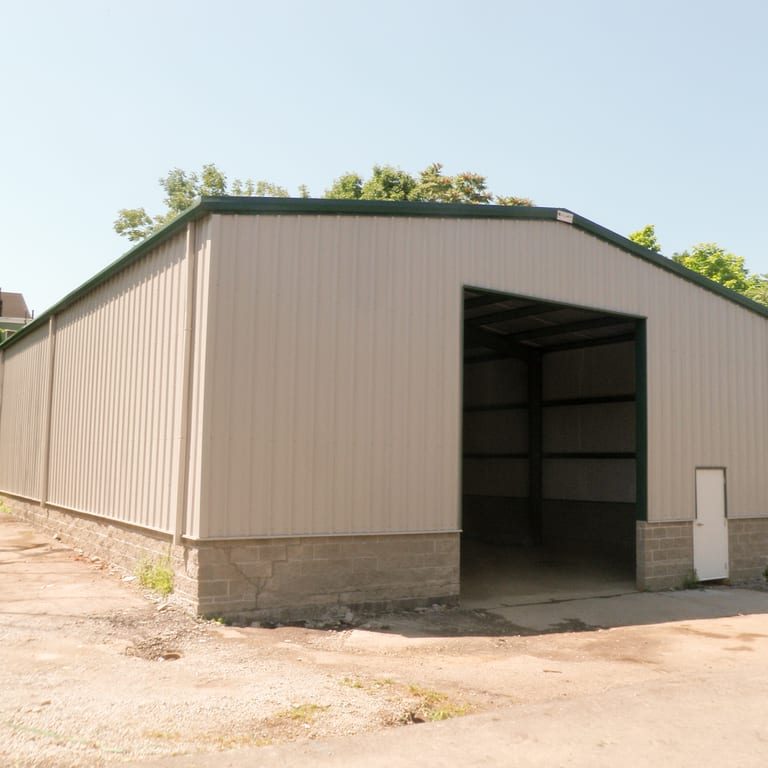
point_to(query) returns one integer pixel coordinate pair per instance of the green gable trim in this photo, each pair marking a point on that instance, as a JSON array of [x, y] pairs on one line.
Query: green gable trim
[[310, 206]]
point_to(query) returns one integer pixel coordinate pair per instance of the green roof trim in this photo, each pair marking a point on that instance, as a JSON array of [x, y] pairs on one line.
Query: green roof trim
[[312, 206]]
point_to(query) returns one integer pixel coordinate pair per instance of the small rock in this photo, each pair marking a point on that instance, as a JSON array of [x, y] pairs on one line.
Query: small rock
[[129, 578]]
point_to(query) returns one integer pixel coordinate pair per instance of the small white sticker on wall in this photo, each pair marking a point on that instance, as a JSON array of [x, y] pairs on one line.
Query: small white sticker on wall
[[565, 216]]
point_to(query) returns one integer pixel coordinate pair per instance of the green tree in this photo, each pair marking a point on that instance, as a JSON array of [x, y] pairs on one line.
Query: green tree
[[182, 189], [647, 238], [388, 183], [466, 187], [758, 289], [714, 262], [431, 185], [347, 187], [512, 200]]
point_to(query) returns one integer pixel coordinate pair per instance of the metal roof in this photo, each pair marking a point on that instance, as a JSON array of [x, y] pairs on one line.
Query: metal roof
[[312, 206]]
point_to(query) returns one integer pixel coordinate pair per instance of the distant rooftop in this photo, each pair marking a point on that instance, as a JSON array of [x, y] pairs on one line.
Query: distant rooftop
[[13, 306]]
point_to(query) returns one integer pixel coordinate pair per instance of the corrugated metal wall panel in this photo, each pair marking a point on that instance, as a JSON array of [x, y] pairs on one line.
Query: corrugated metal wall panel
[[197, 381], [25, 376], [335, 360], [116, 392]]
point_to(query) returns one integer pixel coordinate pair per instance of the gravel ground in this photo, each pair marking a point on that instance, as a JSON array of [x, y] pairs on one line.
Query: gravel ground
[[95, 672], [151, 682]]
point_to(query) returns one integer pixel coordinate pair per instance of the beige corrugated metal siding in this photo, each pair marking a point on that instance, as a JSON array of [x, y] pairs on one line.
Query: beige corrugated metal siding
[[325, 375], [116, 442], [22, 409], [116, 384], [335, 355], [196, 437]]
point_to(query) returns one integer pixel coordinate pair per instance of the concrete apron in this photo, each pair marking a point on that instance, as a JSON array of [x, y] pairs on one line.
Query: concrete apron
[[542, 591], [632, 609]]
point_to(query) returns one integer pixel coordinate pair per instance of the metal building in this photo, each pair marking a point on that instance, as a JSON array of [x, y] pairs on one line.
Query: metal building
[[317, 403]]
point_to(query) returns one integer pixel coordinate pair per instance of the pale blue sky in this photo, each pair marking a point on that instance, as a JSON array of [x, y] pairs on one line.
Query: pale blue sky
[[628, 113]]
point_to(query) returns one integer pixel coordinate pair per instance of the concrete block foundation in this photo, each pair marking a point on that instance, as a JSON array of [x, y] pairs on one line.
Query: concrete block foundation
[[664, 554], [120, 545], [295, 578], [279, 579], [747, 547]]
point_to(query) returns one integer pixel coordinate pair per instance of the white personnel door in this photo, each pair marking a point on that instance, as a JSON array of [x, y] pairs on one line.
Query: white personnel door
[[710, 529]]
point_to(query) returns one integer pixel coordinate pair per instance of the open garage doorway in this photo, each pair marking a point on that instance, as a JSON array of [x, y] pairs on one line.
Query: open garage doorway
[[553, 474]]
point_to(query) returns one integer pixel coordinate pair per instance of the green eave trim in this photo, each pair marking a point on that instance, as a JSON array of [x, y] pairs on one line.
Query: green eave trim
[[310, 206]]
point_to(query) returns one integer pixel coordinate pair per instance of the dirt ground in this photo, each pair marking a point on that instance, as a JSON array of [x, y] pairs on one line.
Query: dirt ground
[[95, 671]]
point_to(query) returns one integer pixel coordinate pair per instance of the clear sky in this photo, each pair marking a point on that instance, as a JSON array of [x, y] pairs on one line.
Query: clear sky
[[627, 113]]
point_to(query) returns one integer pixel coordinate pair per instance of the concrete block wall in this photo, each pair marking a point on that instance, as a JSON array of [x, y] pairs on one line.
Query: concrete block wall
[[277, 579], [120, 545], [296, 578], [664, 554], [747, 547]]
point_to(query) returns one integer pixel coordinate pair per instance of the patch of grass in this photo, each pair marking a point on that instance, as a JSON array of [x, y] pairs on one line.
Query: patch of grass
[[367, 685], [4, 508], [156, 575], [434, 705], [691, 580], [163, 735], [233, 741], [301, 713]]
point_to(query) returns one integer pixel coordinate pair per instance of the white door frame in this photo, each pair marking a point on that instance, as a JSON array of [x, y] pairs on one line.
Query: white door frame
[[710, 537]]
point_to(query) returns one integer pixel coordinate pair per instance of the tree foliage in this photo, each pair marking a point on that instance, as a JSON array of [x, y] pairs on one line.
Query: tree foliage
[[714, 262], [728, 269], [430, 185], [647, 238], [386, 182], [182, 189]]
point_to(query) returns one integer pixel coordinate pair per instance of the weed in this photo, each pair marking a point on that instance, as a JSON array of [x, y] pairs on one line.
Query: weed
[[434, 705], [4, 508], [163, 735], [156, 575], [691, 580], [233, 741], [301, 713], [351, 682]]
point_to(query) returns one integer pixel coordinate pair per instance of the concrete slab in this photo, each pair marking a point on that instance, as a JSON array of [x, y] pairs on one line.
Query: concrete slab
[[39, 576], [501, 576], [634, 609]]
